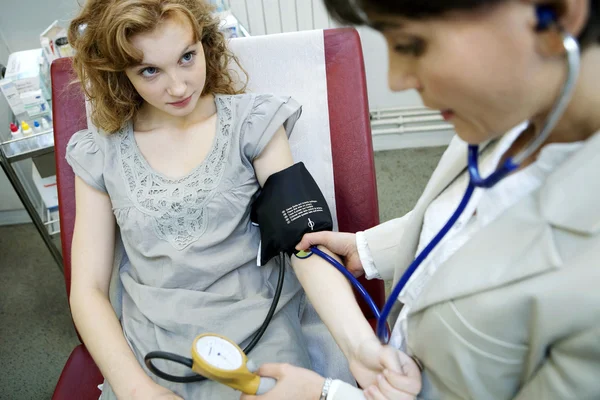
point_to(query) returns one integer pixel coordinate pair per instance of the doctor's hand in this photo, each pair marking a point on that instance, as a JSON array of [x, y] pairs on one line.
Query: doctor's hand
[[341, 243], [293, 383]]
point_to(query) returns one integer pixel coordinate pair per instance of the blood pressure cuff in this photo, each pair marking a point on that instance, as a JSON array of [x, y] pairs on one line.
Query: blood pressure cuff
[[289, 205]]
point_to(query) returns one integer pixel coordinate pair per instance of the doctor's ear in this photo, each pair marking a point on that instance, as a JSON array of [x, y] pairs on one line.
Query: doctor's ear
[[552, 17], [570, 15]]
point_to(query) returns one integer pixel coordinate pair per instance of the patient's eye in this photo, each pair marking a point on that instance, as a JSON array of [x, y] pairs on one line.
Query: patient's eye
[[188, 57], [148, 72]]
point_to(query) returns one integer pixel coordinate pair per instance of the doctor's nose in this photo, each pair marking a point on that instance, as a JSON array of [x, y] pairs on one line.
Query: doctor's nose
[[401, 75]]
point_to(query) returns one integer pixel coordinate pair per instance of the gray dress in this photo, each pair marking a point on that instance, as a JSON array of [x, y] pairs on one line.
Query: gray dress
[[190, 248]]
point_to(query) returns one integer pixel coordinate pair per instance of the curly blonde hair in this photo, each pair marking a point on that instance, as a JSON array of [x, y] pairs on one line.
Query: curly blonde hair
[[101, 36]]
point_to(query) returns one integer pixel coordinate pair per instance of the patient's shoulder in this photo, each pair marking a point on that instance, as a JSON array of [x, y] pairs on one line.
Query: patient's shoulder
[[247, 104]]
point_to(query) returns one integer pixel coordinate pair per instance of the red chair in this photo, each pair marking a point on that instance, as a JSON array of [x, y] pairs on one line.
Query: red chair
[[351, 151]]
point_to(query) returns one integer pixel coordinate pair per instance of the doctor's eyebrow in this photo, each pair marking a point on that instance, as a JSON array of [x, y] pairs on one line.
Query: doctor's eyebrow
[[384, 25]]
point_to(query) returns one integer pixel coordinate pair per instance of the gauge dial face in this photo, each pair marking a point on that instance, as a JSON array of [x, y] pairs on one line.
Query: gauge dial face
[[219, 353]]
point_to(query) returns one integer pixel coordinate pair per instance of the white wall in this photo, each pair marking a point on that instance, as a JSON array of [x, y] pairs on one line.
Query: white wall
[[376, 68], [22, 21], [274, 16], [263, 17]]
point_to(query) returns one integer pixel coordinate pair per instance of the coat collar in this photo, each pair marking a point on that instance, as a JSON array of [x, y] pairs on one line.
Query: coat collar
[[522, 242], [452, 163], [569, 199]]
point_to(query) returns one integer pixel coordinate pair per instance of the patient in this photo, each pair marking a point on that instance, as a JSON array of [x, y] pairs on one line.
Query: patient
[[178, 157]]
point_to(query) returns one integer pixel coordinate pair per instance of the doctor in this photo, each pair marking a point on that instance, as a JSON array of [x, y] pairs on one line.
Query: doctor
[[507, 306]]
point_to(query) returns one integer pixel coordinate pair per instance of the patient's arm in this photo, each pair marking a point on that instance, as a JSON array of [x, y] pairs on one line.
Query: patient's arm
[[96, 321], [328, 290], [331, 295], [275, 157]]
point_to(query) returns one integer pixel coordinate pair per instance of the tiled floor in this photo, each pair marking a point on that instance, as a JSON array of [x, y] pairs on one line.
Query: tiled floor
[[36, 332]]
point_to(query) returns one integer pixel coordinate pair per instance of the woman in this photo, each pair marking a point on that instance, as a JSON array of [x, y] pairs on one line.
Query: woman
[[178, 157], [507, 305]]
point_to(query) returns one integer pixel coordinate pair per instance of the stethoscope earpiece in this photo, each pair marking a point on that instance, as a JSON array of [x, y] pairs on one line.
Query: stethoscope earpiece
[[546, 17]]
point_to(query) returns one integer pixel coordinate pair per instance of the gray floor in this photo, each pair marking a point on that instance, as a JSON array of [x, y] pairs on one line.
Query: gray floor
[[36, 333]]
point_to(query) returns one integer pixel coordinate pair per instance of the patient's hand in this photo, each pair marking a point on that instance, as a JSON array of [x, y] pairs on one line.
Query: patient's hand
[[167, 396], [370, 360], [293, 383], [365, 361], [157, 392]]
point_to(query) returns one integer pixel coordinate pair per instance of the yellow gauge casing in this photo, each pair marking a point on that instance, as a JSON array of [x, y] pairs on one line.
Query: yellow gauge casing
[[239, 378]]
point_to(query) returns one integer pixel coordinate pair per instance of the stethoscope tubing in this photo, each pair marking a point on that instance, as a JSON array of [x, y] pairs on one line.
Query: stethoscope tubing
[[188, 362], [475, 181]]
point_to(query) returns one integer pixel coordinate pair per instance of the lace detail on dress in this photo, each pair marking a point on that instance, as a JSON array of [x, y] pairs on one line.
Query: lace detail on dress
[[177, 206]]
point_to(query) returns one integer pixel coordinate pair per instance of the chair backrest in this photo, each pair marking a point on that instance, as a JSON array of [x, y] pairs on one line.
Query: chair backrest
[[324, 71], [351, 143], [68, 112]]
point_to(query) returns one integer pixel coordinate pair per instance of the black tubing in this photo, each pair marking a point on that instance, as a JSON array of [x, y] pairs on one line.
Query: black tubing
[[188, 362]]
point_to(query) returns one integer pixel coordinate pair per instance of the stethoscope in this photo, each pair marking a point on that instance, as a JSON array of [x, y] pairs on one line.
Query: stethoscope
[[199, 362], [546, 19]]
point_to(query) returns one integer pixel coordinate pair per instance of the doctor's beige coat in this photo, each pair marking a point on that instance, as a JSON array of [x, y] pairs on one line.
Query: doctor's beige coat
[[515, 312]]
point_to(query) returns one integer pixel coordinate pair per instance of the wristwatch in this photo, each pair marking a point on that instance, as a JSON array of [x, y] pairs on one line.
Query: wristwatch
[[325, 389]]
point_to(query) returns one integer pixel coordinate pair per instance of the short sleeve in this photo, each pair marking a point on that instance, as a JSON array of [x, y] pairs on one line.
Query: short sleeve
[[86, 157], [267, 115]]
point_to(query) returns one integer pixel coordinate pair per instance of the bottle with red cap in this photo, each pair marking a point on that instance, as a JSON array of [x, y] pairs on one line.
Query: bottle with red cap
[[15, 133]]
